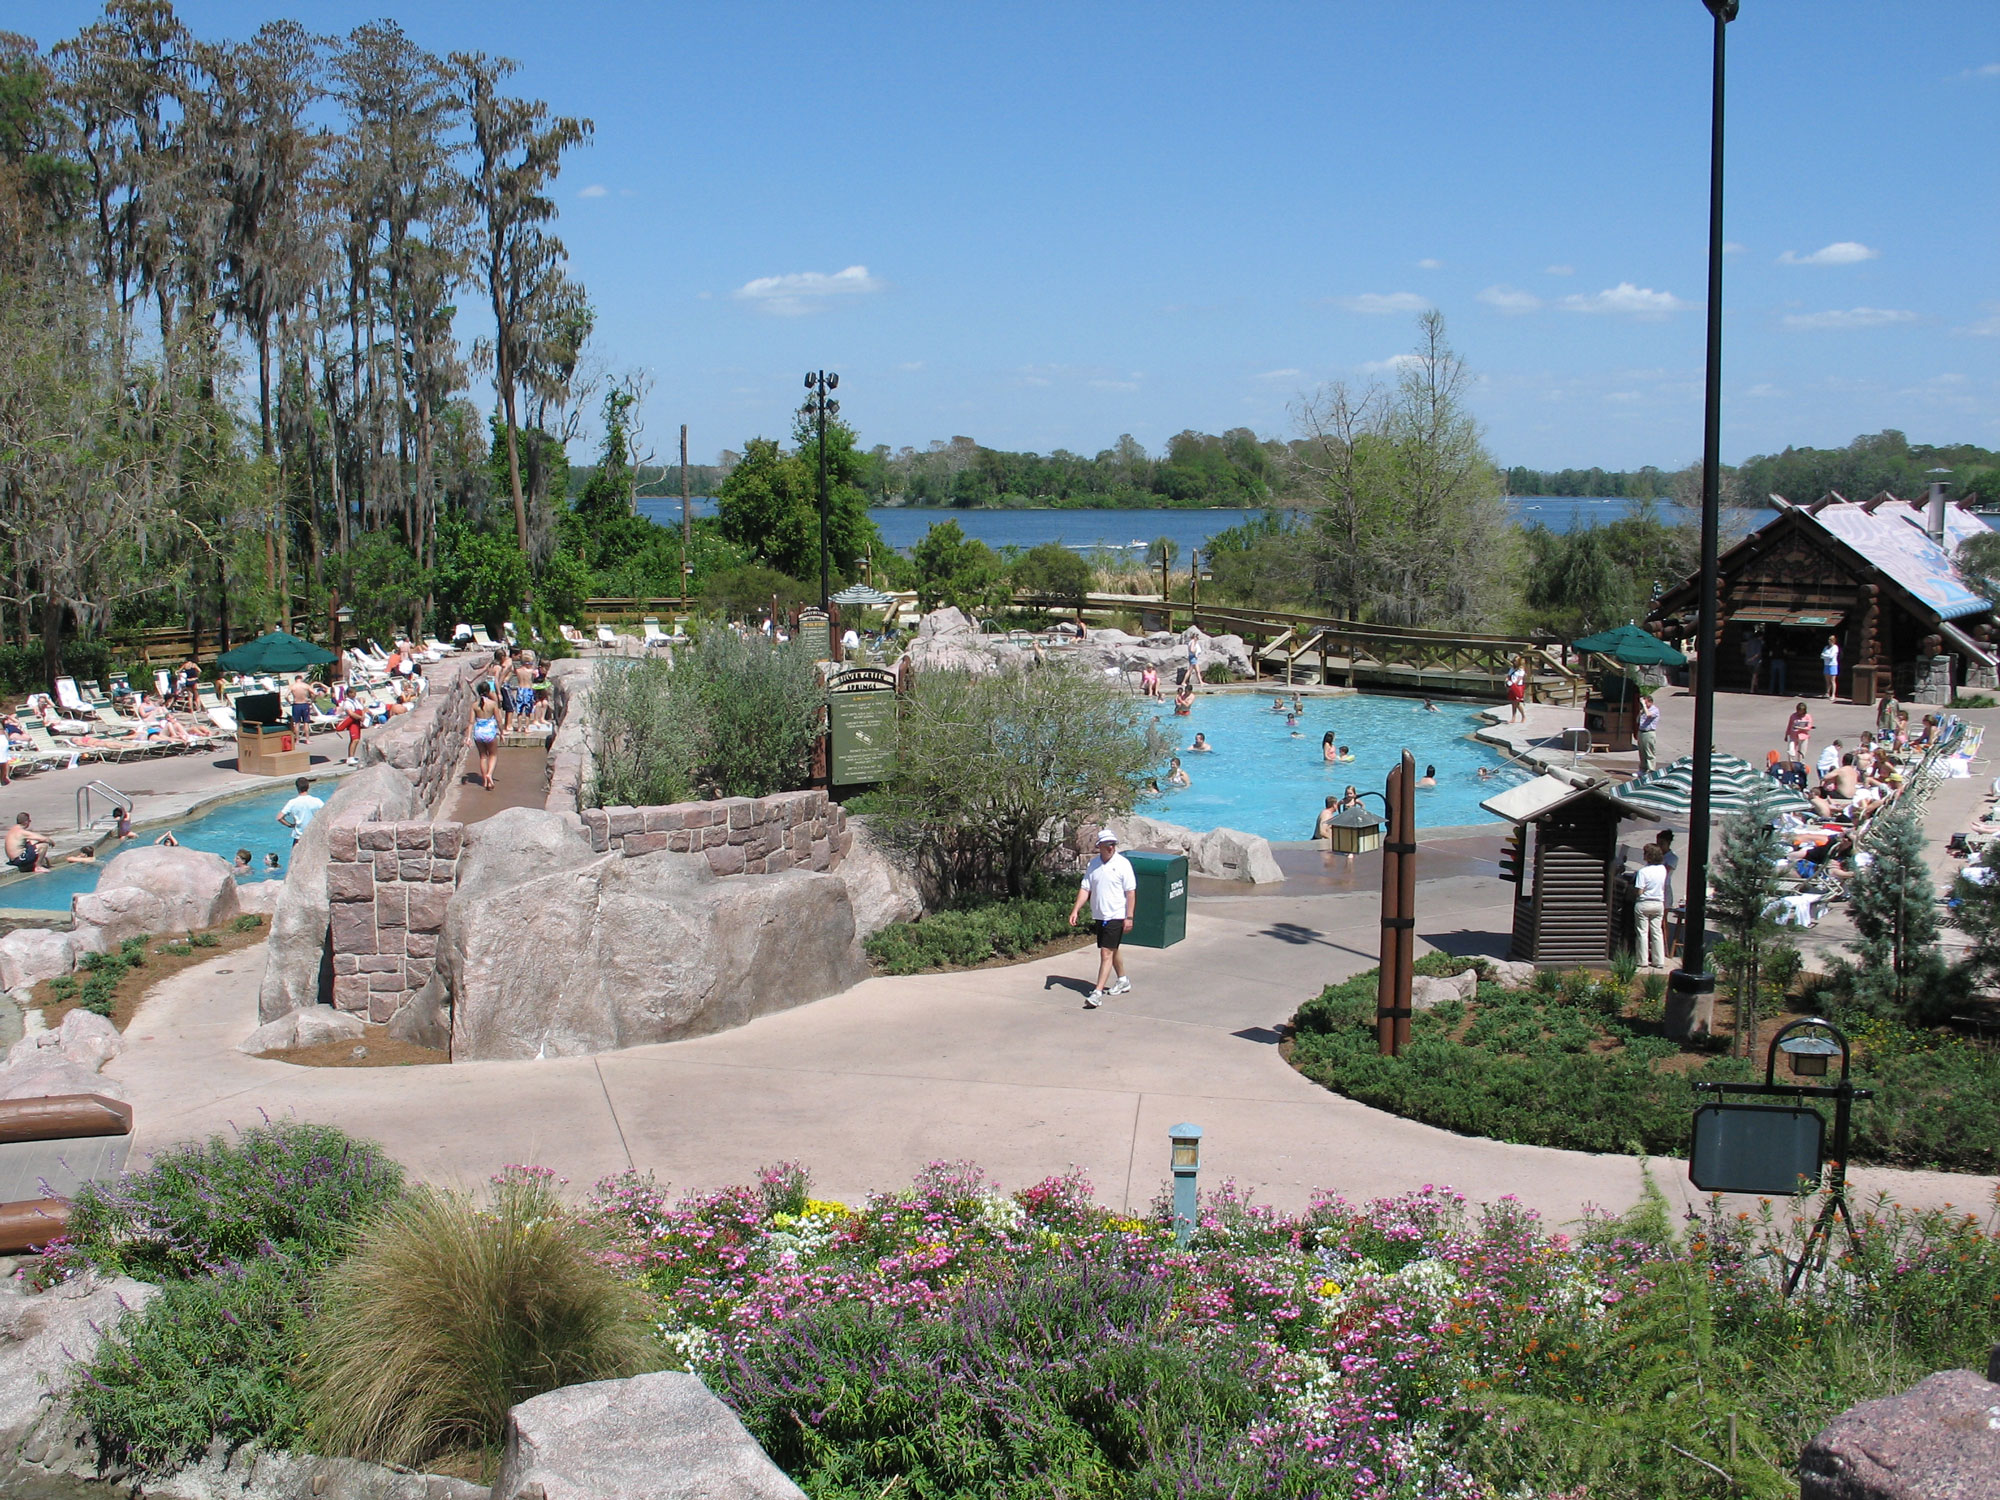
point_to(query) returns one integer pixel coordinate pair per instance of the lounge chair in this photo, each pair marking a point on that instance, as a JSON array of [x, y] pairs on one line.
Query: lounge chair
[[653, 636], [438, 649], [574, 636], [482, 640], [224, 719], [53, 750], [69, 698], [606, 636]]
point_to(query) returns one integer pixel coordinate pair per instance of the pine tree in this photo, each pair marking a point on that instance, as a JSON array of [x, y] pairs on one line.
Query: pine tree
[[1894, 908], [1743, 883]]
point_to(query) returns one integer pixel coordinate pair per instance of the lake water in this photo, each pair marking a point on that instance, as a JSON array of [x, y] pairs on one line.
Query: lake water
[[1261, 780], [1123, 532]]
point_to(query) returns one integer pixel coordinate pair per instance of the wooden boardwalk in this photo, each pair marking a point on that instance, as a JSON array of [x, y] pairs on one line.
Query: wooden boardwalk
[[1302, 649]]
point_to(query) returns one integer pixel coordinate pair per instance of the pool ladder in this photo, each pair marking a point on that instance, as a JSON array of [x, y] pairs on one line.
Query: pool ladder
[[104, 789]]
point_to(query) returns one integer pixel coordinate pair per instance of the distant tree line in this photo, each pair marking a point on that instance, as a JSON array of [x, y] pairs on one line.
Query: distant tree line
[[1872, 463], [1237, 468], [1648, 483]]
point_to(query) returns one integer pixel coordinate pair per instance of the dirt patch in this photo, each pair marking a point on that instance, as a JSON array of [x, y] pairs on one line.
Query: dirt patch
[[376, 1049], [164, 958]]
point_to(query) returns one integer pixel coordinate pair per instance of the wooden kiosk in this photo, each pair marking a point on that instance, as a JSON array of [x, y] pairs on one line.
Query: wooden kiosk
[[265, 742], [1569, 905]]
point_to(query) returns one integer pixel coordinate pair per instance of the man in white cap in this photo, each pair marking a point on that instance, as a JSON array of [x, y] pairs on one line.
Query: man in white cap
[[1110, 887]]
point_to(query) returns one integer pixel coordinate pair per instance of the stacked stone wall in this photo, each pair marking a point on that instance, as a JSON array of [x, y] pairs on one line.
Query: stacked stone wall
[[740, 835], [427, 744], [388, 884], [569, 749]]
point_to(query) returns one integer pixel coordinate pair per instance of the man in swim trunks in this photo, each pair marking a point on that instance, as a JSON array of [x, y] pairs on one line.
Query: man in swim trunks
[[300, 695], [27, 851]]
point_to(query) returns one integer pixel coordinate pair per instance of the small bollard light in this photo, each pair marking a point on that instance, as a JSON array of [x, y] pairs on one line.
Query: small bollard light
[[1809, 1054], [1187, 1167]]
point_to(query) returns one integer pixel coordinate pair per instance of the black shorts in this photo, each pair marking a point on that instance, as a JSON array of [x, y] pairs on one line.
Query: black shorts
[[1110, 934], [26, 860]]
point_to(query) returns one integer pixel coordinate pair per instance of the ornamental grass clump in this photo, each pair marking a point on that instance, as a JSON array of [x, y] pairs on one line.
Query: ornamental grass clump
[[449, 1312]]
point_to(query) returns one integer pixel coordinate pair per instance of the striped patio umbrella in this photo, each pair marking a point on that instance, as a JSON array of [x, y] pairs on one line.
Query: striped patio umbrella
[[862, 594], [1734, 786]]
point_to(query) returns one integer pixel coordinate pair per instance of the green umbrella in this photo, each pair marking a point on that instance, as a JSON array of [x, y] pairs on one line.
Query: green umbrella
[[1734, 786], [1630, 646], [278, 651]]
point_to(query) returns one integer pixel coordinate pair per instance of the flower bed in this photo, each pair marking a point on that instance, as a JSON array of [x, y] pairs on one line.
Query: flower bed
[[1570, 1065], [953, 1340]]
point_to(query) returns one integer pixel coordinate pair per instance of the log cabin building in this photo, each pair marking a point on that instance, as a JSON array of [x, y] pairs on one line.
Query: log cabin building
[[1876, 575]]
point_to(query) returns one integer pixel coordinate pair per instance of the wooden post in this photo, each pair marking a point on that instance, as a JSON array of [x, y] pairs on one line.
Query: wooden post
[[1406, 930]]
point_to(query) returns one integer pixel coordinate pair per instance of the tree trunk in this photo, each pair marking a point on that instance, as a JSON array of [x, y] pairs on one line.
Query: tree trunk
[[54, 615], [514, 464]]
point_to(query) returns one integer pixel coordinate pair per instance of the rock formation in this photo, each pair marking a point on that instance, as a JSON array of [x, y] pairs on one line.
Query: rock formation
[[551, 950], [297, 972], [154, 889]]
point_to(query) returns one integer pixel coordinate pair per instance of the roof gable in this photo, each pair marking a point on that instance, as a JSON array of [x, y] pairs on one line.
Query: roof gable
[[1891, 536]]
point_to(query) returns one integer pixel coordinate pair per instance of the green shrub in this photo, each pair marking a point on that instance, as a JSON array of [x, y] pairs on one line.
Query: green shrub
[[965, 936], [447, 1314], [62, 987], [1448, 965], [294, 1189], [203, 940], [1073, 1381], [1625, 968], [206, 1358], [1527, 1070], [248, 921]]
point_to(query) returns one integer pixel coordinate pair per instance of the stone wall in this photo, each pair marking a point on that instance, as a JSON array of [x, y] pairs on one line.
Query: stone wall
[[389, 884], [569, 748], [427, 744], [740, 835]]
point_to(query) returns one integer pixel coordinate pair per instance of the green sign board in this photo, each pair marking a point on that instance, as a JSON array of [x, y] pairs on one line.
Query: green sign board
[[864, 737], [815, 634]]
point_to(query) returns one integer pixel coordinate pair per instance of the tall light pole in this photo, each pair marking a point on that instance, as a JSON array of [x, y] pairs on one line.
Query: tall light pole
[[819, 406], [1691, 984]]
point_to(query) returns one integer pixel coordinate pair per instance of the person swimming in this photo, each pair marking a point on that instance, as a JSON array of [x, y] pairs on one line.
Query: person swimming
[[1430, 707], [1277, 705], [1429, 778], [1176, 774], [1346, 753], [1201, 746], [1328, 750]]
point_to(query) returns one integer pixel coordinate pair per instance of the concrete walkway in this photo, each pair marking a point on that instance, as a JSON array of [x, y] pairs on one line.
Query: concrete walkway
[[1002, 1066]]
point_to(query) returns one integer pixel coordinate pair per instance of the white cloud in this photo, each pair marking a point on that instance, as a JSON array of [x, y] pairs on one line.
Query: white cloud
[[805, 291], [595, 190], [1559, 270], [1730, 247], [1430, 263], [1839, 253], [1764, 390], [1114, 385], [1987, 327], [1395, 364], [1282, 375], [1989, 70], [1852, 317], [1376, 303], [1507, 300], [911, 366], [1627, 300]]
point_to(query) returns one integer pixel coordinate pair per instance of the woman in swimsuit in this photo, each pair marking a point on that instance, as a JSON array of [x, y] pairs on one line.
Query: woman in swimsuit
[[1184, 699], [483, 733], [1328, 750]]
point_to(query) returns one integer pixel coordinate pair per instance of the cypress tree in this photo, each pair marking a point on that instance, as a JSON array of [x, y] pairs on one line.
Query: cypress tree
[[1902, 973]]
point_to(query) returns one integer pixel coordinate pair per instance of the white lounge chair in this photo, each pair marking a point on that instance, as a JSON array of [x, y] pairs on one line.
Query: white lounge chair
[[482, 640], [224, 719], [69, 698], [606, 636], [571, 634], [654, 636]]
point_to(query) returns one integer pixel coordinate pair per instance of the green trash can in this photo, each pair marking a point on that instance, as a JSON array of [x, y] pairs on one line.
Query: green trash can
[[1161, 918]]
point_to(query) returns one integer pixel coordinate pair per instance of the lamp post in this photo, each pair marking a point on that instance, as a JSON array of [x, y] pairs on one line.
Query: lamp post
[[1187, 1168], [819, 406], [1690, 986], [342, 618]]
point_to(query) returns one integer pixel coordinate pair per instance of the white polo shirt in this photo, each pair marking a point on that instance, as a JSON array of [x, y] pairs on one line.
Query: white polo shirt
[[1110, 882]]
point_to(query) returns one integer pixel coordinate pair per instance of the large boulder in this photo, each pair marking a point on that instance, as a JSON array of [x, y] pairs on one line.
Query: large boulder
[[551, 951], [306, 1027], [1220, 854], [156, 888], [1939, 1440], [297, 967], [881, 881], [87, 1039], [49, 1076], [1229, 854], [653, 1437], [949, 620], [260, 896], [43, 1336], [32, 954]]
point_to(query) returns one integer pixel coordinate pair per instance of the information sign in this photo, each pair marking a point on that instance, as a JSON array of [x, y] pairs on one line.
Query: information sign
[[861, 709], [816, 634]]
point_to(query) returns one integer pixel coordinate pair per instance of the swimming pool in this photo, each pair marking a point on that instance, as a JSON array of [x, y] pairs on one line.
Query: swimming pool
[[246, 823], [1261, 780]]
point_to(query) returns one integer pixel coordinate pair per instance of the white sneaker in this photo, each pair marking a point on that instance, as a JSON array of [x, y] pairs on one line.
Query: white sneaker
[[1094, 999], [1122, 987]]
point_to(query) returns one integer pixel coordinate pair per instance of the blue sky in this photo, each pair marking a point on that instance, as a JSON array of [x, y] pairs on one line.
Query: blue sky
[[1042, 225]]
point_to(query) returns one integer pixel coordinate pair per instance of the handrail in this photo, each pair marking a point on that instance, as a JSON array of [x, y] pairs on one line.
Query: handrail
[[103, 789]]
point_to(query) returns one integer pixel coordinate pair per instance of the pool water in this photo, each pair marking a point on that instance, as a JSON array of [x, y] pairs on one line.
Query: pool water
[[246, 823], [1261, 780]]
